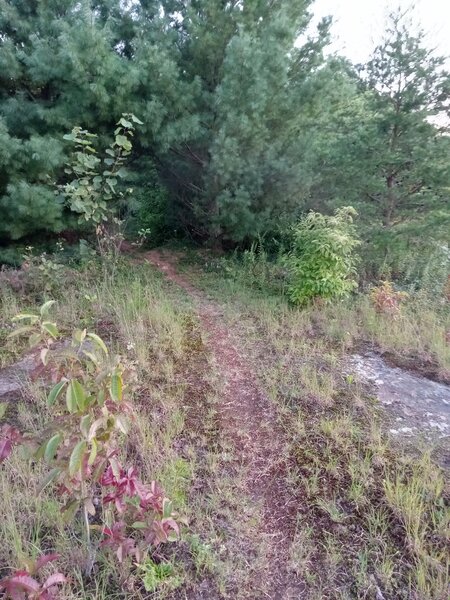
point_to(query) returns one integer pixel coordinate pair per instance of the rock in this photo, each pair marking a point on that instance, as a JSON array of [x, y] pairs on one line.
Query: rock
[[15, 377], [407, 396]]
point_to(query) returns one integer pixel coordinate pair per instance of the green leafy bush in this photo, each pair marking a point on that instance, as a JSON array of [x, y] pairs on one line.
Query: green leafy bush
[[90, 419], [322, 261], [93, 186]]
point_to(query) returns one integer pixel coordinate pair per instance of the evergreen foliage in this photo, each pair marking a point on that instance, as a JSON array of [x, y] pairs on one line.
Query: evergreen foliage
[[246, 125], [58, 69]]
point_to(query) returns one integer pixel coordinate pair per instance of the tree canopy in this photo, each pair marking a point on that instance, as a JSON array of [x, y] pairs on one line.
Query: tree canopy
[[247, 122]]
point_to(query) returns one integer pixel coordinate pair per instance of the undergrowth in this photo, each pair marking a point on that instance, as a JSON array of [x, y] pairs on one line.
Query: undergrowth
[[154, 330], [372, 517]]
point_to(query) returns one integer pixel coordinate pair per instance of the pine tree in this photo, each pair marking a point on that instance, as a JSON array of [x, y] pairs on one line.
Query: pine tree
[[381, 143], [410, 102], [58, 68], [227, 85]]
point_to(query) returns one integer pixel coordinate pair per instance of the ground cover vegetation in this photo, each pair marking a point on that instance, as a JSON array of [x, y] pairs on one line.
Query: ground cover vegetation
[[189, 423], [360, 528]]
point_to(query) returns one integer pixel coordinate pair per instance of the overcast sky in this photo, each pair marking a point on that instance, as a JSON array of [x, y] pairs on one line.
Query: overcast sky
[[358, 24]]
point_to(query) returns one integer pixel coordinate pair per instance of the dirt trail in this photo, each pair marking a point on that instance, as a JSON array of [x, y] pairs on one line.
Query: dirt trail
[[248, 423]]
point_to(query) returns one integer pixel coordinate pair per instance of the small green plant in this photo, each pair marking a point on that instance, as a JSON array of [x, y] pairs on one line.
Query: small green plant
[[93, 186], [322, 262], [81, 443], [153, 575], [42, 271], [94, 191]]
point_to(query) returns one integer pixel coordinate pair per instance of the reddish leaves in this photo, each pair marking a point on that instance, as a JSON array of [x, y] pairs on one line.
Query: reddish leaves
[[22, 585], [148, 522], [386, 300], [9, 436]]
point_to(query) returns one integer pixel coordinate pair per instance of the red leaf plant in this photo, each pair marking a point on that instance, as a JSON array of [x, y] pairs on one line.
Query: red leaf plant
[[144, 515], [23, 585], [387, 300], [9, 436]]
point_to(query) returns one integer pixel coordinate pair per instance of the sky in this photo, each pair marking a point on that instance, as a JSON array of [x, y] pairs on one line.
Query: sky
[[358, 24]]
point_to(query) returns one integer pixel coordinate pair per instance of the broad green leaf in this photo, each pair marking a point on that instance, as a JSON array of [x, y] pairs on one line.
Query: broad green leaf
[[40, 451], [115, 388], [71, 400], [20, 331], [24, 316], [50, 328], [79, 335], [91, 357], [85, 425], [167, 508], [79, 394], [76, 457], [101, 397], [55, 392], [93, 453], [98, 340], [125, 123], [34, 339], [121, 140], [46, 306], [52, 446], [122, 172], [136, 120]]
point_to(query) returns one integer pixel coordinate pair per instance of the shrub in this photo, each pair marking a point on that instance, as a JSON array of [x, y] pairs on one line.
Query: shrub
[[81, 444], [321, 263], [93, 186], [23, 584], [386, 299]]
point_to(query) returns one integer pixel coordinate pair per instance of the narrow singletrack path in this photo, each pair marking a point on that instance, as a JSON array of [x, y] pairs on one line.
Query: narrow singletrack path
[[248, 423]]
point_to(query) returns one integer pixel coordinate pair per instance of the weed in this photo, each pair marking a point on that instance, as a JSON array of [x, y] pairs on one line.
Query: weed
[[386, 300], [155, 575]]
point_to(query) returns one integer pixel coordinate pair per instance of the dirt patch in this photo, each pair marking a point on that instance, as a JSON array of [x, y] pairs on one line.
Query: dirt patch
[[258, 462]]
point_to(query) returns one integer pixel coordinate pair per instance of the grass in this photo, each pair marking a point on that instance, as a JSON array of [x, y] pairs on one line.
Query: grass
[[154, 329], [371, 519], [417, 337]]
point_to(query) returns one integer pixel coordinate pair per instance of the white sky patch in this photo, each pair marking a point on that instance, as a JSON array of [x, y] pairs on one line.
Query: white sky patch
[[358, 25]]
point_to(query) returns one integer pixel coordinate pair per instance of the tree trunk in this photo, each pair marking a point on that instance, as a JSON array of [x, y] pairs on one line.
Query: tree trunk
[[389, 208]]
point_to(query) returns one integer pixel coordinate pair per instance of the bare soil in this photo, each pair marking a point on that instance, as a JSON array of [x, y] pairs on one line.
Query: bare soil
[[248, 425]]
